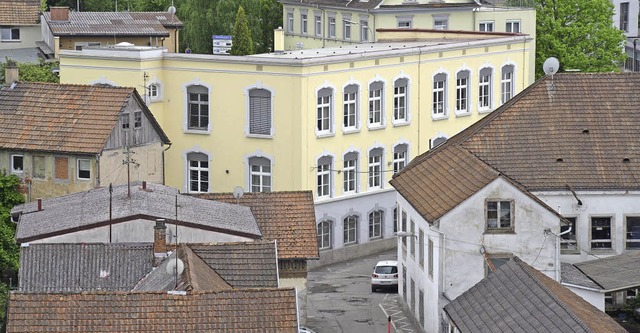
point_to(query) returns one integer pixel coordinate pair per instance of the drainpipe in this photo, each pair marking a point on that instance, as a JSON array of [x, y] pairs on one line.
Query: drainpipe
[[558, 239], [163, 166]]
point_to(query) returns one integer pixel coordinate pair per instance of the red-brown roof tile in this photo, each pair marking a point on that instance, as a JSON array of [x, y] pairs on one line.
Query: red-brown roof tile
[[19, 12]]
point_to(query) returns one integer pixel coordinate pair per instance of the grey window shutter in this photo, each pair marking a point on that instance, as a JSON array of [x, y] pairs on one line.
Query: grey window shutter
[[260, 112]]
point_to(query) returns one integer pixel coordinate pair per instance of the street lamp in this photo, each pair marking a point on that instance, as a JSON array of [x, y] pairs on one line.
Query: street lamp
[[635, 67]]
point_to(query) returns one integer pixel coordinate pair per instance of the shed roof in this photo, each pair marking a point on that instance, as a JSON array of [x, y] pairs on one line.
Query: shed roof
[[113, 24], [613, 273]]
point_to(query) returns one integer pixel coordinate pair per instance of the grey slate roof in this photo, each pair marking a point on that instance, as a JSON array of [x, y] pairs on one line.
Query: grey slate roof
[[572, 275], [516, 298], [59, 267], [113, 24], [615, 272], [89, 209]]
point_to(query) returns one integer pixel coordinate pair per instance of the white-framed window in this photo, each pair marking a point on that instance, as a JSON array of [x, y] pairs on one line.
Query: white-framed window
[[350, 173], [198, 172], [350, 107], [400, 103], [332, 27], [462, 92], [601, 233], [499, 215], [506, 83], [513, 26], [324, 109], [350, 230], [304, 24], [633, 233], [153, 91], [324, 235], [485, 26], [440, 22], [80, 45], [318, 24], [137, 119], [485, 89], [10, 34], [324, 177], [260, 112], [624, 16], [259, 174], [400, 157], [375, 168], [346, 28], [364, 30], [405, 22], [440, 95], [84, 169], [17, 163], [376, 104], [568, 242], [290, 22], [198, 107], [375, 224]]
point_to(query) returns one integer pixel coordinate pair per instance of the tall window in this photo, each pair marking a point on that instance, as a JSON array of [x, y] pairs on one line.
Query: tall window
[[376, 112], [346, 28], [439, 94], [332, 27], [403, 221], [318, 24], [421, 247], [462, 92], [198, 168], [364, 30], [304, 24], [198, 107], [412, 246], [399, 157], [324, 235], [324, 177], [601, 233], [430, 259], [17, 163], [499, 215], [324, 110], [125, 121], [506, 83], [84, 169], [10, 34], [421, 307], [137, 119], [569, 240], [404, 283], [260, 174], [350, 230], [375, 168], [485, 26], [400, 100], [633, 233], [350, 107], [350, 173], [260, 112], [375, 224], [513, 26], [484, 93], [624, 16], [290, 22], [154, 91]]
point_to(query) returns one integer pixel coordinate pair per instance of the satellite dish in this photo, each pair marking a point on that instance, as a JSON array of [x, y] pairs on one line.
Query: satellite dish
[[171, 266], [238, 192], [172, 9], [551, 66]]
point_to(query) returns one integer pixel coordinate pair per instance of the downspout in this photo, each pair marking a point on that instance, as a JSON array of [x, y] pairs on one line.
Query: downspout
[[97, 180], [558, 239], [418, 93], [163, 166]]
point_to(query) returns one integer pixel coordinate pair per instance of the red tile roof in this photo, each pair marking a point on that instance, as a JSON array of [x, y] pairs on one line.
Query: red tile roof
[[19, 12]]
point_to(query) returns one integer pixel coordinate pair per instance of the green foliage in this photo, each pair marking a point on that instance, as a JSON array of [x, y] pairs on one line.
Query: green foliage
[[580, 33], [242, 41], [41, 72], [9, 250]]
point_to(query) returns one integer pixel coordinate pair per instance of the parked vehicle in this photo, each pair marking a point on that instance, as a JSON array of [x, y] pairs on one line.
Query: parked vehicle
[[385, 275]]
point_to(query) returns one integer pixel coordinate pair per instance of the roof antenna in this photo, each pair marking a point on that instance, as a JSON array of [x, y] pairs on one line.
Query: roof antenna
[[550, 67], [238, 192]]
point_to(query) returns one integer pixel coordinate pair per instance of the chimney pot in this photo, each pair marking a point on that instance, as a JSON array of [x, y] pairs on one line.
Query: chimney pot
[[159, 242], [59, 13], [144, 184], [39, 204]]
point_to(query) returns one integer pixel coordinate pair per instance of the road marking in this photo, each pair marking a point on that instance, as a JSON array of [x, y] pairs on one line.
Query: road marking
[[392, 309]]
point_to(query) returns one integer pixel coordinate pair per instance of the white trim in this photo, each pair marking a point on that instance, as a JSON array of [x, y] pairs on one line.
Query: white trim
[[357, 127], [185, 162], [376, 145], [158, 84], [185, 106], [445, 94], [509, 62], [332, 187], [103, 80], [470, 104], [383, 102], [11, 165], [247, 166], [357, 171], [407, 112], [247, 89], [332, 111], [78, 168], [492, 90]]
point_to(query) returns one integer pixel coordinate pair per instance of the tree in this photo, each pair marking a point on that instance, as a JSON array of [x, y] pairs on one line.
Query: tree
[[40, 72], [580, 33], [242, 41], [9, 250]]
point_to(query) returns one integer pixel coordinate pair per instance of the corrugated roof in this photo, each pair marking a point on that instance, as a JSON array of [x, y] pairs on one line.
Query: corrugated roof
[[19, 12], [252, 310], [516, 298], [288, 217], [113, 24], [615, 272]]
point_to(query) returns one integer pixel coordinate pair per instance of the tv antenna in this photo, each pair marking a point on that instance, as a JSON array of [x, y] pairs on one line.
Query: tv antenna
[[238, 192]]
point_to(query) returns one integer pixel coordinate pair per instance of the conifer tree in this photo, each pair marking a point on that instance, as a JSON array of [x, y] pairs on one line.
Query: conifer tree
[[242, 41]]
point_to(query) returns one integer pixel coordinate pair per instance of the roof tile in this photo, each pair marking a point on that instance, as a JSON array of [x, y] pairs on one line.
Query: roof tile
[[19, 12]]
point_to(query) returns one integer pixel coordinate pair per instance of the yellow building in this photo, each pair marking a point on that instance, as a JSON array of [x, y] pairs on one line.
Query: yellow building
[[338, 121]]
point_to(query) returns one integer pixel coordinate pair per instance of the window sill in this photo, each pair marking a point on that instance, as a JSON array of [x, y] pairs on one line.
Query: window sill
[[499, 232], [350, 130], [259, 136], [350, 244], [376, 127], [320, 135], [437, 117], [484, 110], [463, 113], [400, 123], [17, 171], [194, 131], [10, 41]]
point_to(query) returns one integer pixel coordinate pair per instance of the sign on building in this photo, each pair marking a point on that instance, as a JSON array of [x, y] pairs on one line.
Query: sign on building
[[222, 44]]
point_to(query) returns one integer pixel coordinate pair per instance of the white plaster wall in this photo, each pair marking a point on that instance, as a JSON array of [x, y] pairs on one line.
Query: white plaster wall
[[633, 16], [595, 298], [141, 231], [29, 35]]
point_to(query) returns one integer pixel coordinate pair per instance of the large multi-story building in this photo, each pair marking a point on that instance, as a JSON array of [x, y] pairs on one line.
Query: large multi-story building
[[338, 121]]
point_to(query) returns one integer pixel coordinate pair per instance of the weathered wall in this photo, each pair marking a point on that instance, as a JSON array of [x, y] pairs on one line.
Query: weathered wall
[[148, 165]]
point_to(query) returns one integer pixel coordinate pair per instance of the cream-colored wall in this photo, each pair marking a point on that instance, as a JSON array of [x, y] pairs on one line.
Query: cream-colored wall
[[147, 166]]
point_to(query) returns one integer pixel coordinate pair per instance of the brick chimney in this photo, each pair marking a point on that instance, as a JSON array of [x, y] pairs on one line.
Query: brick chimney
[[159, 242], [59, 13]]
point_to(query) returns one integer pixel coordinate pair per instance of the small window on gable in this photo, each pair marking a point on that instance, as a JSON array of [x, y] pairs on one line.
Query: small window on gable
[[137, 119], [499, 215], [61, 167], [84, 169], [17, 163], [39, 166], [124, 121], [260, 112]]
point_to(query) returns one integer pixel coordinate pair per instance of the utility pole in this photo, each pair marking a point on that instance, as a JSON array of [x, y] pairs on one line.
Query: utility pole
[[128, 161]]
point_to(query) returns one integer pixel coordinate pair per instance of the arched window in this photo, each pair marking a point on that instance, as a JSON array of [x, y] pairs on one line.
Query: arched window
[[198, 172], [198, 107], [260, 174], [440, 95], [375, 168], [506, 83], [324, 108], [400, 101], [400, 157], [375, 224], [260, 111], [324, 182], [376, 104], [350, 173], [350, 230], [485, 89], [324, 235], [350, 109], [462, 91]]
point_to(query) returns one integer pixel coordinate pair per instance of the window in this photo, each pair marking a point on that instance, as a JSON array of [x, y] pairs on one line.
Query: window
[[61, 165], [499, 215], [568, 240], [324, 110], [290, 22], [404, 228], [400, 100], [486, 26], [462, 92], [395, 219], [324, 235], [430, 258], [198, 168], [364, 30], [80, 45], [375, 224], [484, 93], [137, 119], [633, 233], [350, 107], [125, 122], [404, 283], [350, 173], [375, 168], [439, 94], [496, 260], [437, 141], [413, 295], [421, 307], [405, 22], [624, 16], [84, 169], [303, 23], [17, 163], [513, 26], [506, 83], [440, 22], [318, 25], [350, 230], [324, 176], [260, 174], [346, 28], [399, 157], [154, 91], [259, 112], [332, 27], [600, 232], [198, 107], [9, 34], [412, 246], [376, 112], [39, 166], [421, 248]]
